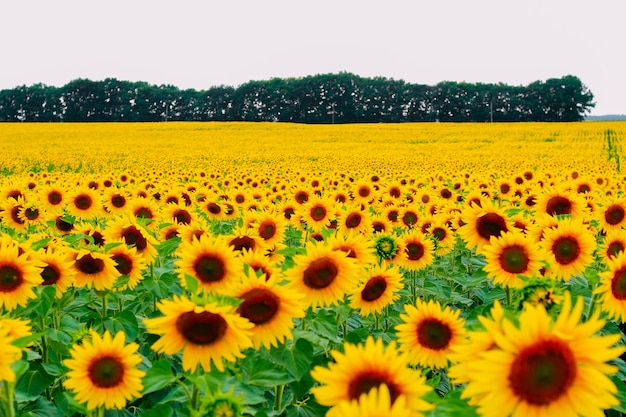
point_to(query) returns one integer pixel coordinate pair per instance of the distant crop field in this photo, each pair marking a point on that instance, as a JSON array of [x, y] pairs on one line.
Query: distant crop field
[[272, 269]]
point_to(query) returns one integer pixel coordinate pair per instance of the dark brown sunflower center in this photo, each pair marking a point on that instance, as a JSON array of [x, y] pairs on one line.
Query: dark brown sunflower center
[[243, 242], [288, 212], [123, 263], [302, 197], [349, 251], [55, 198], [144, 213], [10, 278], [565, 250], [543, 372], [202, 328], [374, 288], [439, 233], [409, 218], [50, 275], [83, 202], [118, 201], [15, 215], [491, 224], [614, 214], [267, 230], [209, 268], [133, 236], [182, 216], [31, 213], [320, 273], [558, 205], [89, 265], [106, 372], [353, 220], [318, 213], [213, 208], [414, 251], [614, 248], [618, 284], [514, 259], [362, 384], [434, 334], [62, 225], [259, 305], [364, 191], [392, 215], [445, 193], [395, 192]]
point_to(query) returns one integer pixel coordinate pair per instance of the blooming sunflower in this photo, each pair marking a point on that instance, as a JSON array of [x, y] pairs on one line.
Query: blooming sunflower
[[543, 367], [418, 251], [428, 333], [206, 334], [211, 261], [568, 248], [355, 245], [612, 288], [18, 275], [353, 219], [178, 213], [9, 213], [270, 307], [8, 355], [94, 269], [128, 263], [268, 226], [612, 214], [84, 203], [557, 202], [510, 255], [104, 371], [378, 289], [260, 262], [132, 234], [57, 269], [115, 201], [361, 368], [242, 239], [613, 244], [481, 222], [52, 198], [143, 208], [15, 328], [316, 213], [322, 274], [375, 403]]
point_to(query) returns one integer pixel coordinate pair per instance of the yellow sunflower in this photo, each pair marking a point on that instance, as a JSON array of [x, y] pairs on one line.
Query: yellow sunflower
[[18, 275], [361, 368], [379, 288], [115, 201], [612, 214], [57, 269], [15, 328], [544, 368], [375, 403], [94, 270], [612, 288], [357, 246], [132, 234], [557, 202], [418, 251], [568, 248], [178, 213], [211, 261], [8, 354], [84, 203], [316, 213], [510, 255], [128, 263], [613, 244], [9, 213], [206, 334], [104, 371], [268, 225], [481, 222], [270, 307], [324, 275], [428, 333], [353, 219], [52, 198]]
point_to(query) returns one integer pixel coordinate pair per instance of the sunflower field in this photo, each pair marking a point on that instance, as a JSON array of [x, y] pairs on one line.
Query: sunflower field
[[274, 269]]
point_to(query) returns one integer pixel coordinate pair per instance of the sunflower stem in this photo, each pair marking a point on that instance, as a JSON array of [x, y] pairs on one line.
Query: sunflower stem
[[104, 306], [278, 400], [507, 291], [592, 305], [44, 345], [194, 398], [8, 398]]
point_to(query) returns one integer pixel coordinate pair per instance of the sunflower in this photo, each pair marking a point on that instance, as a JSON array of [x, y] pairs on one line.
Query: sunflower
[[316, 213], [213, 208], [9, 214], [613, 244], [408, 217], [558, 202], [57, 269], [612, 288], [568, 248], [268, 226], [178, 213], [15, 328], [64, 225], [356, 246], [143, 208], [429, 332], [444, 238], [132, 234], [115, 201], [18, 275], [379, 288], [375, 403], [206, 334], [324, 275], [211, 261], [353, 219], [543, 367], [242, 239], [481, 223], [260, 262], [418, 251], [8, 354], [612, 214], [362, 368], [104, 371], [167, 232], [84, 203], [52, 198], [510, 255], [128, 263], [31, 214], [270, 307], [94, 270]]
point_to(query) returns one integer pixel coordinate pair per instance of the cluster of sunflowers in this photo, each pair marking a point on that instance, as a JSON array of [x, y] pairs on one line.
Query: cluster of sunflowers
[[346, 293]]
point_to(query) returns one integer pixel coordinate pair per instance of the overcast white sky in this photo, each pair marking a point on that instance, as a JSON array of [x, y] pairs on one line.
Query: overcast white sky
[[203, 43]]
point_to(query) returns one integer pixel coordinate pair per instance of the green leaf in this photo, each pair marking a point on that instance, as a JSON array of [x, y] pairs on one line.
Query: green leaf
[[68, 405], [22, 342], [159, 410], [263, 373], [32, 383], [46, 300], [40, 244], [124, 321], [159, 376], [192, 283], [297, 359], [325, 325], [42, 408]]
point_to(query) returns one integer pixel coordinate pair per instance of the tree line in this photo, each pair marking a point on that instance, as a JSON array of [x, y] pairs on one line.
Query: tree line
[[324, 98]]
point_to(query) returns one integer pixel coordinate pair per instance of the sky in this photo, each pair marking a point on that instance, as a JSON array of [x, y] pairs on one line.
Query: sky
[[203, 43]]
